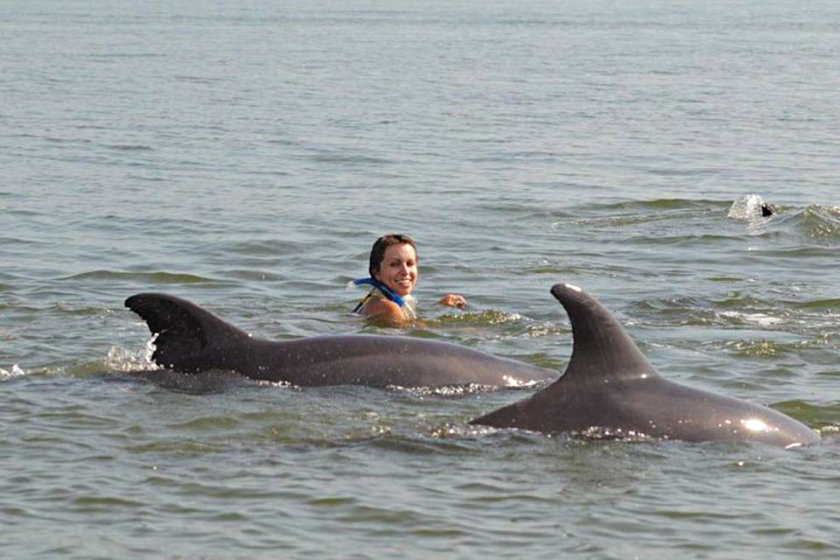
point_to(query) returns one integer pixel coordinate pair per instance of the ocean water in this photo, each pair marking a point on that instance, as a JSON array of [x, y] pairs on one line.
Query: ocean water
[[246, 155]]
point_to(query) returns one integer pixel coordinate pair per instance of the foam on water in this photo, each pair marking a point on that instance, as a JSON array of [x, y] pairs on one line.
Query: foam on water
[[14, 371]]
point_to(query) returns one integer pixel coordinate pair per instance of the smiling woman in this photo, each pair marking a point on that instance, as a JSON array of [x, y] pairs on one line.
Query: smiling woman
[[393, 276]]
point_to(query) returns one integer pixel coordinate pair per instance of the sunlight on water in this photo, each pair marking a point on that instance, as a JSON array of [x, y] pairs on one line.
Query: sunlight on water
[[761, 319]]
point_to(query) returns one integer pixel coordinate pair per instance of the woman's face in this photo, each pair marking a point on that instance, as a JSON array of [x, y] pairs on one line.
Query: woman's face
[[398, 269]]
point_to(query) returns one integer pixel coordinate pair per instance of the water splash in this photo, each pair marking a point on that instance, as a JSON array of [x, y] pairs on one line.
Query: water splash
[[16, 371], [761, 319], [750, 207], [445, 391], [120, 359]]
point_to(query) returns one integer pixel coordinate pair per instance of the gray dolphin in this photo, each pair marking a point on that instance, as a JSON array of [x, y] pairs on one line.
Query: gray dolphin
[[610, 389], [191, 339]]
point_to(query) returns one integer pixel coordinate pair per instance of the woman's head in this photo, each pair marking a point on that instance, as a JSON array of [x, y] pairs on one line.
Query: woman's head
[[393, 261]]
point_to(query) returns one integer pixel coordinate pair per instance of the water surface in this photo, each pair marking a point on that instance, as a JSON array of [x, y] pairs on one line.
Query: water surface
[[246, 156]]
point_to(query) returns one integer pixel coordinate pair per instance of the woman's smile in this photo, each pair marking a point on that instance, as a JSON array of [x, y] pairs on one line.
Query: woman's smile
[[398, 269]]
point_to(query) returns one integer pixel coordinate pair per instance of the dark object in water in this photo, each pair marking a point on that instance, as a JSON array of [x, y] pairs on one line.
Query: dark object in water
[[610, 389], [191, 340]]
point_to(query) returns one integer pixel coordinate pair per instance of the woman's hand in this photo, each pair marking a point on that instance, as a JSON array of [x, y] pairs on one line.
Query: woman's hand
[[453, 300]]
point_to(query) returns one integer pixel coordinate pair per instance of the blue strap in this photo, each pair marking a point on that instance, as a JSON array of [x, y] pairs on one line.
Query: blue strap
[[382, 288]]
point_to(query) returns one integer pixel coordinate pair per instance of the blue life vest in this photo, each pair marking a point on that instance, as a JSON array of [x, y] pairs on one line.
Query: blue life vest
[[385, 290]]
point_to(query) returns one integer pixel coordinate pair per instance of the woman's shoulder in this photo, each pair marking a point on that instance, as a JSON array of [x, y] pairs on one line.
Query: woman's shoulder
[[377, 305], [381, 310]]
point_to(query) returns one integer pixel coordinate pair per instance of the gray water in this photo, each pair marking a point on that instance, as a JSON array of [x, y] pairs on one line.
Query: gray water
[[246, 155]]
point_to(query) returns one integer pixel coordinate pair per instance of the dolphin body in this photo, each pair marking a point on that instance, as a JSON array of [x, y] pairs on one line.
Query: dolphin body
[[191, 339], [609, 389]]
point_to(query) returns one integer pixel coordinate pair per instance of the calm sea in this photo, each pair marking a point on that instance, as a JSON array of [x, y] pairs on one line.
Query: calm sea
[[245, 155]]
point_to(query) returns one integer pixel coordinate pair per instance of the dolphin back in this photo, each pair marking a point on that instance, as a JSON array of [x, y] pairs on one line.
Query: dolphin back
[[191, 339], [188, 337], [610, 386]]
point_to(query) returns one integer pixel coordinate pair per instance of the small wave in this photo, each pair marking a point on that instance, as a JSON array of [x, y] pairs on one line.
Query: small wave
[[760, 348], [821, 304], [825, 418], [131, 147], [8, 242], [265, 248], [489, 318], [350, 159], [659, 204], [821, 222], [104, 504], [209, 382], [736, 310], [672, 214], [195, 79], [146, 277], [761, 319], [791, 326]]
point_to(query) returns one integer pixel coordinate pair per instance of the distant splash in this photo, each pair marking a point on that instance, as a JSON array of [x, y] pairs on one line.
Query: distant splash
[[14, 371], [680, 221], [751, 207]]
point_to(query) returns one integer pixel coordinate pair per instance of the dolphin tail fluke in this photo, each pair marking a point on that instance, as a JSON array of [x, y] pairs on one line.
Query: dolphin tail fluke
[[188, 337]]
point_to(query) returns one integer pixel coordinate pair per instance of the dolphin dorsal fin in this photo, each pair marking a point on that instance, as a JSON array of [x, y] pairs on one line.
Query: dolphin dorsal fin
[[187, 335], [602, 348]]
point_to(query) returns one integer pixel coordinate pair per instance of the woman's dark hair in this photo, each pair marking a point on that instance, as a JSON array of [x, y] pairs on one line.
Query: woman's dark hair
[[377, 253]]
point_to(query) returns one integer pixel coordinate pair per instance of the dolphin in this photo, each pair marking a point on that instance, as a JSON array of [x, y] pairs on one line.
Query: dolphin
[[609, 389], [191, 340]]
